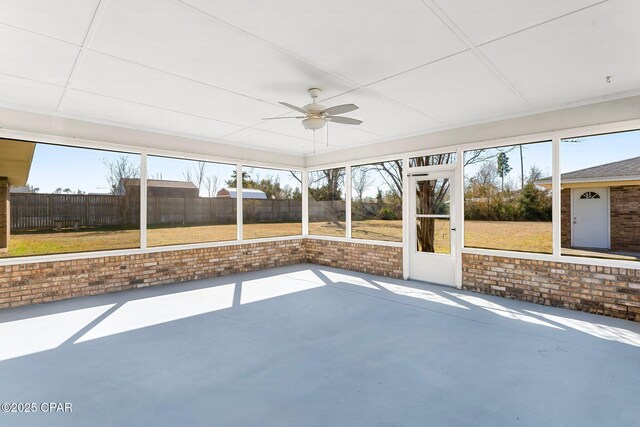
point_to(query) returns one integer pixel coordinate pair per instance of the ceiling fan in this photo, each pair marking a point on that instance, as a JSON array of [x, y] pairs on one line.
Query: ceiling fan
[[316, 115]]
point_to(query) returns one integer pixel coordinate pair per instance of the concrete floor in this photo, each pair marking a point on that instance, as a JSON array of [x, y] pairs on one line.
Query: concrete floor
[[309, 345]]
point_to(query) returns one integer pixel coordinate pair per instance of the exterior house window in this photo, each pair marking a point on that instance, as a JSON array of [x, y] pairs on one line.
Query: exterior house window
[[590, 195]]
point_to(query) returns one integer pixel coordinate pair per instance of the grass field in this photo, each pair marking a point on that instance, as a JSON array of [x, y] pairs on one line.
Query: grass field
[[518, 236]]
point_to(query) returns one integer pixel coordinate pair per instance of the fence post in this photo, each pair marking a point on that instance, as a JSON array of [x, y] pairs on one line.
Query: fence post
[[184, 211], [49, 209], [157, 209], [86, 211]]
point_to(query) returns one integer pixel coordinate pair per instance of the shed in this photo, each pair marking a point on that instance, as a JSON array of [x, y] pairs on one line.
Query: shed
[[159, 187], [247, 193]]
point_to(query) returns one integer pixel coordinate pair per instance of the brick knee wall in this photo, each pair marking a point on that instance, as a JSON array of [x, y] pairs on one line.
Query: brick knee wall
[[373, 259], [25, 284], [602, 290]]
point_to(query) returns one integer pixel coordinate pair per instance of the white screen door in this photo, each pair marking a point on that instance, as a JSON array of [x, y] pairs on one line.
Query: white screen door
[[431, 245]]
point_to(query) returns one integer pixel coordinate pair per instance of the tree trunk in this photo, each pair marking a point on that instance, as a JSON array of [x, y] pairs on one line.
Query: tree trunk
[[426, 235], [426, 226]]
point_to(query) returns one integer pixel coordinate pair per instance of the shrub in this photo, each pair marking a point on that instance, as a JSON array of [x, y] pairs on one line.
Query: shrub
[[386, 212]]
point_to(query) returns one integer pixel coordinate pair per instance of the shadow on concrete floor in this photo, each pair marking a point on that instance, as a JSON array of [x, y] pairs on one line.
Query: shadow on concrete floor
[[312, 345]]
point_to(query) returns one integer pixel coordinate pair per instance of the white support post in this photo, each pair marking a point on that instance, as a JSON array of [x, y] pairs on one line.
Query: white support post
[[239, 216], [406, 218], [459, 214], [347, 200], [143, 200], [556, 193], [305, 203]]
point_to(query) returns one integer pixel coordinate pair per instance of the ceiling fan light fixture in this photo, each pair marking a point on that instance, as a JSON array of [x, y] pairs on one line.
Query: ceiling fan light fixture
[[313, 123]]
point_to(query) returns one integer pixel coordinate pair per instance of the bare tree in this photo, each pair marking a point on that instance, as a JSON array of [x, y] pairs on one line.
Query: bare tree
[[361, 181], [430, 194], [187, 175], [199, 175], [211, 185], [324, 185], [391, 174], [196, 175], [484, 181], [31, 189], [120, 169]]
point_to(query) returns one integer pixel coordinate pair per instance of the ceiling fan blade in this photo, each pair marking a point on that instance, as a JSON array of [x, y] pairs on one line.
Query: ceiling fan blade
[[340, 109], [293, 107], [344, 120], [278, 118]]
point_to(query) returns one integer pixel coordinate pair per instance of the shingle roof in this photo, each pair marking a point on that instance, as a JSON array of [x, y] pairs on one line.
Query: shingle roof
[[247, 193], [621, 170], [161, 183]]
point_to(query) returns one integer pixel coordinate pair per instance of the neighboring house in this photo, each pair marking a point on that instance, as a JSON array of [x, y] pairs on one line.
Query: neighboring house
[[20, 189], [15, 165], [247, 193], [159, 187], [601, 206]]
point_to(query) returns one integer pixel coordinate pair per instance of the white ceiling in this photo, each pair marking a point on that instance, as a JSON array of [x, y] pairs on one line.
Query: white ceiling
[[211, 69]]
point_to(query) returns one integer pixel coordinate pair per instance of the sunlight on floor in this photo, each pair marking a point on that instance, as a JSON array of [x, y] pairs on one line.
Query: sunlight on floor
[[348, 279], [275, 286], [610, 333], [144, 312], [501, 310], [396, 289], [418, 293], [36, 334]]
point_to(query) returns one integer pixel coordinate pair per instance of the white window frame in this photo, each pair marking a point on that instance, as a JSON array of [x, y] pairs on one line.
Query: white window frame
[[554, 136], [240, 217]]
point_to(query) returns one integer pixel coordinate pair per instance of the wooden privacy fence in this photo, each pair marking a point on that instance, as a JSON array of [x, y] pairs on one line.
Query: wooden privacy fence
[[43, 211], [46, 211], [197, 210], [326, 210]]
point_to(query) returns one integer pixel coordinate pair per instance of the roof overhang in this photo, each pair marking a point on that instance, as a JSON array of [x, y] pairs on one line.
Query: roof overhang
[[15, 160], [614, 181]]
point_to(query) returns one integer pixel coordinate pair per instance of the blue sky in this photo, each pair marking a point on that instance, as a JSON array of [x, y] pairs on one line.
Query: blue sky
[[536, 154], [84, 169]]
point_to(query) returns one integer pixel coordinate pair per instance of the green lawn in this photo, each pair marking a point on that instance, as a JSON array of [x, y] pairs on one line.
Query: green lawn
[[518, 236]]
